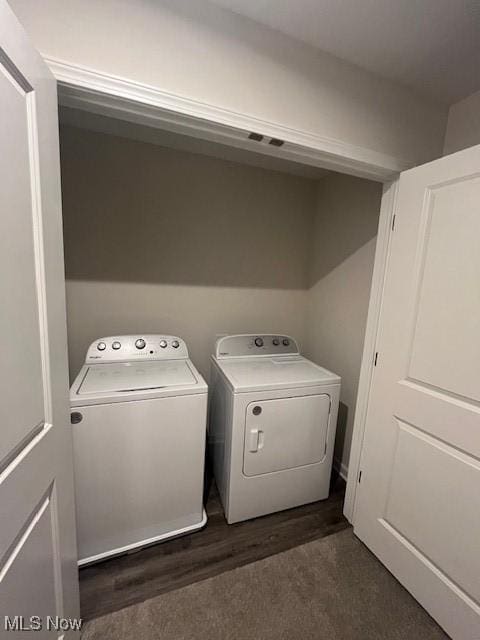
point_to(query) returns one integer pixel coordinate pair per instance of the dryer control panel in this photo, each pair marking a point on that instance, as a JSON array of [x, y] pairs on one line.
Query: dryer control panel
[[255, 345], [137, 347]]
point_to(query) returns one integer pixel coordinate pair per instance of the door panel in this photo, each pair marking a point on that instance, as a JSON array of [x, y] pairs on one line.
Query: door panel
[[418, 505], [38, 573], [285, 433], [446, 346], [20, 317], [420, 510], [17, 483], [35, 548], [438, 413]]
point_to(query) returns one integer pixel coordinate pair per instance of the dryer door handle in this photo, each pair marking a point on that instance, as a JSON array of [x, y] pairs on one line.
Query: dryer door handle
[[256, 440]]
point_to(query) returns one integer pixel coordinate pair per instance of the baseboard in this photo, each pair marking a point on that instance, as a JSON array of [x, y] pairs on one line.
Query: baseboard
[[340, 468]]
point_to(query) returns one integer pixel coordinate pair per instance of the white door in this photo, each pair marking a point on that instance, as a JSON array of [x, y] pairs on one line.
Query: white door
[[418, 505], [38, 574]]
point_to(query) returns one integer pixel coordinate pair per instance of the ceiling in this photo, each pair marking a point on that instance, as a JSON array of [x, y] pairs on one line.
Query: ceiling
[[432, 46]]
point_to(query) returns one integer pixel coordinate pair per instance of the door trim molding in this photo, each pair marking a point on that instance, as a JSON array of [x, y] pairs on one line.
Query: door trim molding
[[387, 210], [110, 95]]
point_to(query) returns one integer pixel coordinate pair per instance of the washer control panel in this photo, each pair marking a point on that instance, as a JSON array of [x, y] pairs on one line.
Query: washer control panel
[[139, 347], [255, 345]]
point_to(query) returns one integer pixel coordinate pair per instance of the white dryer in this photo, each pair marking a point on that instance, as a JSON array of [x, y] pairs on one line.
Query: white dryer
[[272, 422], [139, 424]]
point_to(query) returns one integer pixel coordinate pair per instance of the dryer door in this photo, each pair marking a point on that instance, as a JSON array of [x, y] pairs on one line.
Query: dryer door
[[285, 433]]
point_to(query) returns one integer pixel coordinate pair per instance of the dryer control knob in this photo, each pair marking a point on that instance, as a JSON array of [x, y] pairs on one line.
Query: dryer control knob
[[175, 344], [259, 342], [101, 346], [140, 343], [286, 342], [275, 342], [116, 345], [163, 344]]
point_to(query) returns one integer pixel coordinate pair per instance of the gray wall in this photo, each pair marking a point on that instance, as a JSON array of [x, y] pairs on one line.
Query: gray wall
[[164, 241], [341, 265], [463, 126]]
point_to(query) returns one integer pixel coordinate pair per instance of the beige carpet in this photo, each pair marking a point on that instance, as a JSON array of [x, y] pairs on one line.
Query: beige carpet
[[329, 589]]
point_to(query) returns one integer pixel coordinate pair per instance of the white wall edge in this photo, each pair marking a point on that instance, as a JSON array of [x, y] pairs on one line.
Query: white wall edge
[[341, 468], [387, 211], [80, 87]]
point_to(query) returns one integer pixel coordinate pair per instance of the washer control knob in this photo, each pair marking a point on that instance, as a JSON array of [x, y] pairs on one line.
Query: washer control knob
[[259, 342], [175, 344], [140, 343], [101, 346], [116, 345], [286, 342], [163, 344], [275, 342]]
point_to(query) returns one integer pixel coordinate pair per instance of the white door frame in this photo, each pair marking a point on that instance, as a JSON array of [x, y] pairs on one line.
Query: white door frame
[[86, 89], [97, 92], [385, 227]]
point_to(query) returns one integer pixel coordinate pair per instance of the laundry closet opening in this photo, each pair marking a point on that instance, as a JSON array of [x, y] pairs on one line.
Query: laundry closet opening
[[170, 234]]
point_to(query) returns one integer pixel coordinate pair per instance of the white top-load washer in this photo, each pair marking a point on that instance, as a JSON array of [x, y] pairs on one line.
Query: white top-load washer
[[139, 423], [272, 422]]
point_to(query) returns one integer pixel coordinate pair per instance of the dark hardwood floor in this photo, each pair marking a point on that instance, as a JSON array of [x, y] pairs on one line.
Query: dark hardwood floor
[[128, 579]]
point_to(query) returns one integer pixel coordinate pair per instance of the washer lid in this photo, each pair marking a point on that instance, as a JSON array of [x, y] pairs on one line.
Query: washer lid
[[135, 376], [283, 372]]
